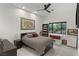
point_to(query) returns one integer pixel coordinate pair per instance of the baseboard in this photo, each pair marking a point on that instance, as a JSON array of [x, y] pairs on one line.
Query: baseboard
[[71, 46]]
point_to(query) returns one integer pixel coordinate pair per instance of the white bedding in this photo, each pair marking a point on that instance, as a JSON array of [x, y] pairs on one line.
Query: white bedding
[[38, 43]]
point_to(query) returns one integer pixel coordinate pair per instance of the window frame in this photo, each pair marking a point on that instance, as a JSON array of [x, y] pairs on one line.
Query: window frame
[[61, 27]]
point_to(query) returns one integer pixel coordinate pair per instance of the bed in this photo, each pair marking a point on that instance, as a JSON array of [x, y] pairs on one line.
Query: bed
[[40, 44]]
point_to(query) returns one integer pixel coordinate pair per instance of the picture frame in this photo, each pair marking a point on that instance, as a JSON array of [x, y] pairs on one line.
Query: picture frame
[[73, 32], [27, 24]]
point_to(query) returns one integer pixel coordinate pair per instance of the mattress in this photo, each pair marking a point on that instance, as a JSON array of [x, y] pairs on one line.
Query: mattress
[[38, 43]]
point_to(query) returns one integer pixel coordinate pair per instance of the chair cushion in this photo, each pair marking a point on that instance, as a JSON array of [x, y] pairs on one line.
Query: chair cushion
[[55, 37]]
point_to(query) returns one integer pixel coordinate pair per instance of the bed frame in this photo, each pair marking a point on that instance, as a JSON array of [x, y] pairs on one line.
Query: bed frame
[[46, 49]]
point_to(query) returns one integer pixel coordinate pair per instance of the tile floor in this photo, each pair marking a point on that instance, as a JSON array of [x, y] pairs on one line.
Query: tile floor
[[55, 51]]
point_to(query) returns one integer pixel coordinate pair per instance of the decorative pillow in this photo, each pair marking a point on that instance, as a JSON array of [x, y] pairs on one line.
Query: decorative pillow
[[29, 35], [35, 34], [55, 37]]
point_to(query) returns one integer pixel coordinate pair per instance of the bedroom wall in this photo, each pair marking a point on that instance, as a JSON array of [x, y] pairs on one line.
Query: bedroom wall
[[10, 22], [64, 12]]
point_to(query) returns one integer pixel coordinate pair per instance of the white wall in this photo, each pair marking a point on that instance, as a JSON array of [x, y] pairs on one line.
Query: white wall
[[10, 22], [64, 12]]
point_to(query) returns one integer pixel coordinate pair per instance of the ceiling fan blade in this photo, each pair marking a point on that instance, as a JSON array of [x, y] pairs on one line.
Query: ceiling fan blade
[[40, 9], [48, 11], [46, 6]]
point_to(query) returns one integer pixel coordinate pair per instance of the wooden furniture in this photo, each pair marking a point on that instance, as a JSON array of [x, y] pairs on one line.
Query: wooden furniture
[[64, 42], [45, 30], [18, 43], [47, 49], [8, 49]]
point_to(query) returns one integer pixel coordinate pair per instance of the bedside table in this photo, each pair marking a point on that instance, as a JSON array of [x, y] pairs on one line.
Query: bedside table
[[18, 43]]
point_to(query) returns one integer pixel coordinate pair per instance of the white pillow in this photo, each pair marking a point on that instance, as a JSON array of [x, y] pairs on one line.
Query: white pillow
[[29, 35]]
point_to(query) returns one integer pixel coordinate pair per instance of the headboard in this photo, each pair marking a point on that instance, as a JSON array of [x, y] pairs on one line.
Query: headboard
[[22, 34]]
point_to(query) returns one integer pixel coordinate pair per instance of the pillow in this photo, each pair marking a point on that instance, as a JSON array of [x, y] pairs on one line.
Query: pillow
[[35, 34], [29, 35]]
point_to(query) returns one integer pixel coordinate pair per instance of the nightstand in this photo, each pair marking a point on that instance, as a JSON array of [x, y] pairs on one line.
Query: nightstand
[[18, 43]]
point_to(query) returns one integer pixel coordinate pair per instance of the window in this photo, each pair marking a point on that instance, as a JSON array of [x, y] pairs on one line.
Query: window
[[63, 28], [50, 27], [58, 27]]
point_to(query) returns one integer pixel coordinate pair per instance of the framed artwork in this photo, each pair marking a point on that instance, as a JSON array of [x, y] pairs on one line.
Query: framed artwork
[[27, 24], [72, 32]]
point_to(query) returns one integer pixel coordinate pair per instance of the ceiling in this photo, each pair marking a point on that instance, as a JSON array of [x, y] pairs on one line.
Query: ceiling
[[33, 7]]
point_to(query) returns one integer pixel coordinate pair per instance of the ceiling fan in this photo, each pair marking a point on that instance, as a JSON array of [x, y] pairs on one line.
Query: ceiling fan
[[46, 6]]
